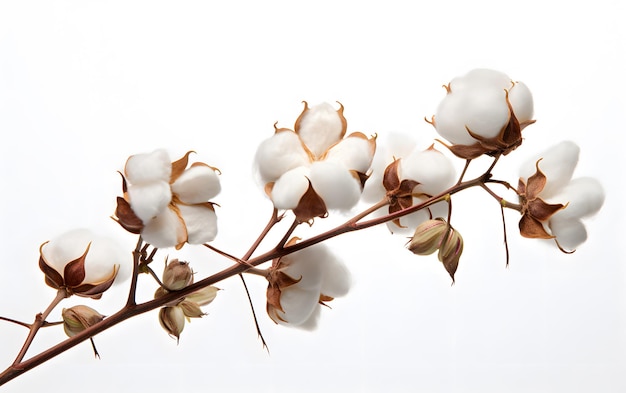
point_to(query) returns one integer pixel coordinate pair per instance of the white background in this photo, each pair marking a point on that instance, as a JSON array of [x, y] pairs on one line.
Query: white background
[[84, 84]]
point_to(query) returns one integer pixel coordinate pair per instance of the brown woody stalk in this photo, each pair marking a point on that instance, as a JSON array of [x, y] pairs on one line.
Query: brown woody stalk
[[132, 309]]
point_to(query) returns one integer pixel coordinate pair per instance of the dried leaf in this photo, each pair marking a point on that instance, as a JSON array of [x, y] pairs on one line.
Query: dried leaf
[[541, 210], [179, 166], [311, 205], [532, 228], [74, 272], [126, 217], [52, 277], [536, 183], [391, 180]]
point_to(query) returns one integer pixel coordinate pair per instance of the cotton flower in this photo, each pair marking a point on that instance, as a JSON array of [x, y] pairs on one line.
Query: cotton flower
[[484, 112], [554, 204], [81, 263], [408, 179], [300, 283], [167, 202], [314, 168]]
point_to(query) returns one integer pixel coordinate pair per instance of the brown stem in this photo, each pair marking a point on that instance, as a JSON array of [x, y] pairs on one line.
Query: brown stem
[[285, 237], [26, 325], [39, 322], [137, 255], [467, 163], [506, 242], [131, 309], [273, 221], [154, 275]]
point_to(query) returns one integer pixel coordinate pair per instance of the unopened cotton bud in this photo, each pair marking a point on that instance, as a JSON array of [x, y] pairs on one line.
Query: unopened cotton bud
[[450, 251], [191, 309], [177, 275], [428, 237], [172, 319], [78, 318], [203, 296]]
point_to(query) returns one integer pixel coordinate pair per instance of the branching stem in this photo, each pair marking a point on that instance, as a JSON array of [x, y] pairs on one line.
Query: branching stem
[[132, 309]]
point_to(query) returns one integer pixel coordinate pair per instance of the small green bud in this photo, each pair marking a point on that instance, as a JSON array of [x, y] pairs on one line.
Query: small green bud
[[177, 275], [428, 236], [450, 251], [191, 309], [78, 318], [203, 296], [172, 319]]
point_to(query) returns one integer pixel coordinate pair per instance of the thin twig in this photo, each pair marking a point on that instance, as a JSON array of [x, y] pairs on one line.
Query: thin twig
[[131, 309], [506, 243], [227, 255], [287, 234], [256, 321], [467, 163], [38, 323]]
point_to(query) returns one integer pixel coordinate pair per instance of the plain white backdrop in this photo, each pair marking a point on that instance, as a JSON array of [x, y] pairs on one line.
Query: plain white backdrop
[[84, 84]]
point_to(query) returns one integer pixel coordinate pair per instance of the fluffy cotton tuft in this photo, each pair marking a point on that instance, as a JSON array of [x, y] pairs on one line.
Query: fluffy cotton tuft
[[315, 158], [478, 101], [581, 197], [335, 185], [557, 163], [320, 127], [197, 184], [279, 154], [104, 253], [173, 207], [290, 187], [320, 273], [148, 167]]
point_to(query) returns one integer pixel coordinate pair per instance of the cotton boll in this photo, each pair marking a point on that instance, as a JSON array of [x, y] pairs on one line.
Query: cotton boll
[[583, 197], [450, 122], [320, 127], [279, 154], [103, 254], [299, 300], [557, 164], [298, 304], [335, 185], [570, 233], [354, 152], [148, 167], [521, 100], [149, 199], [201, 223], [165, 230], [197, 184], [313, 320], [290, 188], [304, 264], [65, 248], [486, 112], [433, 170], [395, 145], [335, 275], [480, 78]]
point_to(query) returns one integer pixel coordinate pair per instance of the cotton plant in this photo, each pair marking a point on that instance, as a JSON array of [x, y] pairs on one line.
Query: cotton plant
[[315, 171]]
